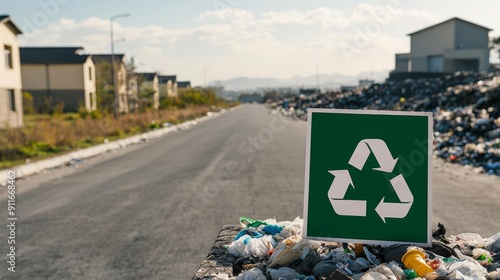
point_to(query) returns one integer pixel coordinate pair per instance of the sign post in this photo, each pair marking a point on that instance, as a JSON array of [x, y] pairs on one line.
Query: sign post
[[368, 176]]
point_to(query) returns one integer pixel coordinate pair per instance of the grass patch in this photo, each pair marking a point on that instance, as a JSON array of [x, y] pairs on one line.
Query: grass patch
[[44, 136]]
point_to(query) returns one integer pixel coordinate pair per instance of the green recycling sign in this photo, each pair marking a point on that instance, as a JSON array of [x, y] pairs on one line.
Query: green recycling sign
[[368, 176]]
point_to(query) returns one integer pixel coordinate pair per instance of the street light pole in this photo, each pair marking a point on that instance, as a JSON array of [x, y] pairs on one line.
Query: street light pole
[[113, 77]]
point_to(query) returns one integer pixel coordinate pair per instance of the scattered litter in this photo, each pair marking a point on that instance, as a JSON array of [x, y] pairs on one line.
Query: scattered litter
[[263, 253]]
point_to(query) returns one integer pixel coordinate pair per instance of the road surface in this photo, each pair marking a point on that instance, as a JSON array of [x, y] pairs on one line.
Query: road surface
[[152, 211]]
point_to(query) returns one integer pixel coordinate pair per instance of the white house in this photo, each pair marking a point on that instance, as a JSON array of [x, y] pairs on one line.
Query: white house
[[126, 96], [184, 85], [446, 47], [149, 82], [168, 86], [55, 75], [11, 103]]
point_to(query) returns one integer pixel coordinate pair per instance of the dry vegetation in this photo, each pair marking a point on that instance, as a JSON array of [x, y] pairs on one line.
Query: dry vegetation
[[46, 135]]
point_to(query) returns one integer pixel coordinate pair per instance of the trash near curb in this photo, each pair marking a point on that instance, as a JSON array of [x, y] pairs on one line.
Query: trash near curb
[[271, 250], [77, 156]]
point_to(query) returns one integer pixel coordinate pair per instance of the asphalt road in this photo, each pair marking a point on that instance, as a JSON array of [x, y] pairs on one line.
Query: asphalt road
[[152, 211]]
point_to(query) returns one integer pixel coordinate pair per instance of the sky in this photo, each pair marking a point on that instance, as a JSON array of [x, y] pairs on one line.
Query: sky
[[212, 40]]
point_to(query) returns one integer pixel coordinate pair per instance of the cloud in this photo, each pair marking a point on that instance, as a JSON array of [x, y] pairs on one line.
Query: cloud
[[266, 40], [227, 14], [324, 17]]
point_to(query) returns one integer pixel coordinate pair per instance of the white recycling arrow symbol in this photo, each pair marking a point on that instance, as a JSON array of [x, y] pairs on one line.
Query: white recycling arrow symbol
[[343, 180]]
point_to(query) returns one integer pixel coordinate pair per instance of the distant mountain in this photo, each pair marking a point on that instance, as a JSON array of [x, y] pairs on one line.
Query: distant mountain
[[326, 81]]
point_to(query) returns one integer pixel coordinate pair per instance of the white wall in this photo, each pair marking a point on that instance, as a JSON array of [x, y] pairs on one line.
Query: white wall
[[89, 78], [10, 79], [434, 40]]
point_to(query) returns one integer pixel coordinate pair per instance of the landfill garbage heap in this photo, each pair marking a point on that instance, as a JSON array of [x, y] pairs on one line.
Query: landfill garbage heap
[[466, 109], [271, 250]]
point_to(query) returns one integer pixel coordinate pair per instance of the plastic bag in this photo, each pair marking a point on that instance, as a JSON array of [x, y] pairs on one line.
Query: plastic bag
[[247, 246], [373, 276], [272, 229], [247, 222], [290, 250], [283, 273], [283, 253], [467, 268], [396, 269], [493, 243], [289, 229], [250, 232], [252, 274], [239, 247], [260, 247], [384, 270]]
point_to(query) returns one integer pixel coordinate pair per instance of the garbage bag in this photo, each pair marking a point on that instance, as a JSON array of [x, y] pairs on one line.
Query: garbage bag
[[396, 269], [468, 268], [307, 263], [291, 250], [247, 246], [493, 243], [252, 274], [283, 273], [384, 270], [324, 269], [373, 276], [260, 247], [293, 228], [239, 247]]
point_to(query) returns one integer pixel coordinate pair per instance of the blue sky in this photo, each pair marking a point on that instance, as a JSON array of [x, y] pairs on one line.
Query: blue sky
[[235, 38]]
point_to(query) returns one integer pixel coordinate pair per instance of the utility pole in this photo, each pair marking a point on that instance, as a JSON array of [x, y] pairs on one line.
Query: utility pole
[[113, 76]]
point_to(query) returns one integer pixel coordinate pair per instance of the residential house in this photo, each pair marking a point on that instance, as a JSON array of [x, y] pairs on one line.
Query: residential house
[[59, 75], [168, 86], [149, 89], [184, 85], [126, 96], [132, 92], [11, 103], [446, 47]]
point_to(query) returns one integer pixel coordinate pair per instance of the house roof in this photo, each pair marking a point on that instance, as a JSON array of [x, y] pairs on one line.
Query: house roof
[[6, 19], [183, 84], [107, 58], [52, 55], [147, 76], [446, 21], [164, 79]]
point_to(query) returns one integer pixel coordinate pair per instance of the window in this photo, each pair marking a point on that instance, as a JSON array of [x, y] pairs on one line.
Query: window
[[11, 97], [8, 57], [90, 73]]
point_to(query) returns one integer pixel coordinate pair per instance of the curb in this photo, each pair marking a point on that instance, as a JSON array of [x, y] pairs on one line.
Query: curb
[[218, 260], [38, 166]]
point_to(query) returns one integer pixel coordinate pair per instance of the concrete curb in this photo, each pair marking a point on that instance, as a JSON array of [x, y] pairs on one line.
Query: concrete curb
[[218, 260], [38, 166]]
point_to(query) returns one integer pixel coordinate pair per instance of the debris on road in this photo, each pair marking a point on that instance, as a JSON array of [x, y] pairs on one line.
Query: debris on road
[[251, 251]]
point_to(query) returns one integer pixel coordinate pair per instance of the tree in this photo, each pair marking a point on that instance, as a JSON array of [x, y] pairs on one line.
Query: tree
[[132, 85], [28, 104], [104, 87], [495, 44]]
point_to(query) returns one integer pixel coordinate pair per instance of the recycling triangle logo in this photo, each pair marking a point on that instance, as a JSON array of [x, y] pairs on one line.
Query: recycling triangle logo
[[343, 181]]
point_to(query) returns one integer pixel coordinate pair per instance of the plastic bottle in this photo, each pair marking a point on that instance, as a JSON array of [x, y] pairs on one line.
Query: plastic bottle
[[410, 273], [414, 259]]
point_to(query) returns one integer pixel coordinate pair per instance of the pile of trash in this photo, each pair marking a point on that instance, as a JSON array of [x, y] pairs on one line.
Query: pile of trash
[[271, 250], [466, 108]]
